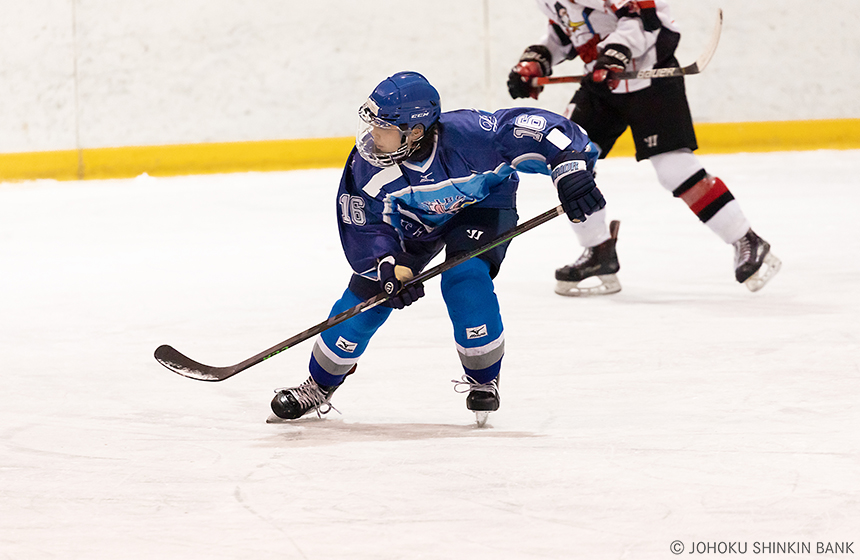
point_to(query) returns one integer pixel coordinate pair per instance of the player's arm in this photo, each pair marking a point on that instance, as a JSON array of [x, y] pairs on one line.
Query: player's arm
[[365, 236], [636, 32], [371, 244], [537, 141]]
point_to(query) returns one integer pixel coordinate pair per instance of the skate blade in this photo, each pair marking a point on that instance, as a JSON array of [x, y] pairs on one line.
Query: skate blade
[[768, 269], [606, 284], [481, 418]]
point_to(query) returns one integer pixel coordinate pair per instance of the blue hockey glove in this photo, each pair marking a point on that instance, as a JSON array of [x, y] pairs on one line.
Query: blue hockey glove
[[577, 190], [611, 61], [391, 278]]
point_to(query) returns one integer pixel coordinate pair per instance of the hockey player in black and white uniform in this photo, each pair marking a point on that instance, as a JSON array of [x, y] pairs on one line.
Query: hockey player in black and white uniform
[[612, 36]]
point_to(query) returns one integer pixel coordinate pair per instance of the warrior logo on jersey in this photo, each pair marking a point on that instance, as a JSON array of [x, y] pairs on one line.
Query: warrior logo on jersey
[[447, 205]]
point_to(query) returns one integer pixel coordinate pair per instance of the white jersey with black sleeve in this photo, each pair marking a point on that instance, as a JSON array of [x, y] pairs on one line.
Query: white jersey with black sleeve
[[584, 27]]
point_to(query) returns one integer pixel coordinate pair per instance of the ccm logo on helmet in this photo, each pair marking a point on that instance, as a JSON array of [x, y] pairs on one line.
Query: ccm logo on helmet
[[419, 115]]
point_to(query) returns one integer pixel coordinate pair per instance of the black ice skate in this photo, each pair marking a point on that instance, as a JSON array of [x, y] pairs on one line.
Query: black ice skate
[[755, 265], [483, 398], [593, 273], [295, 402]]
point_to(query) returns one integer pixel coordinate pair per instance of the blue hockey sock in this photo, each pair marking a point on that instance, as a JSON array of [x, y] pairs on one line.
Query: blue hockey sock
[[474, 312], [341, 346], [486, 374], [321, 376]]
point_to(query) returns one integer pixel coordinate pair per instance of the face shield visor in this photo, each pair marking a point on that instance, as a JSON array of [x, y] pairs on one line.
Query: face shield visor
[[379, 142]]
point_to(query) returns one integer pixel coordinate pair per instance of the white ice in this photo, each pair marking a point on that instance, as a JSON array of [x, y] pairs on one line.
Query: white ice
[[684, 408]]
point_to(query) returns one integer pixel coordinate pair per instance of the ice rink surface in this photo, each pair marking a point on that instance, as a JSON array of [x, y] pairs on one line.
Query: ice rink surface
[[684, 408]]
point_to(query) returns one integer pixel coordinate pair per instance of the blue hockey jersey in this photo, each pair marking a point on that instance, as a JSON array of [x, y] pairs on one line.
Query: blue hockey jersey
[[474, 160]]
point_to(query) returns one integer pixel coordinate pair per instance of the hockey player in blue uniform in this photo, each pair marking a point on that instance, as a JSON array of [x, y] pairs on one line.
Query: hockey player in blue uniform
[[418, 181]]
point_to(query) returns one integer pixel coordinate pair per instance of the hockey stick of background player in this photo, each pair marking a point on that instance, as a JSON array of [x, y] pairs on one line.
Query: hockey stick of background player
[[673, 72], [183, 365]]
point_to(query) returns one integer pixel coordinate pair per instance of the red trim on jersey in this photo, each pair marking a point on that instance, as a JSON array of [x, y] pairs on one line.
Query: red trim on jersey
[[635, 6]]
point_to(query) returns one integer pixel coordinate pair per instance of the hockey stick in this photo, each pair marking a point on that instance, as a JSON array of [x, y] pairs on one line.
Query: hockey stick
[[177, 362], [672, 72]]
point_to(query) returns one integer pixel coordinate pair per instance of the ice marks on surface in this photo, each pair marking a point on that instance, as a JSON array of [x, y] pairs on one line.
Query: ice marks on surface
[[307, 432]]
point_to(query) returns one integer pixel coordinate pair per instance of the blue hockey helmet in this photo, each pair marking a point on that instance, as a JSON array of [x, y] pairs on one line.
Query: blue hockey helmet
[[400, 102]]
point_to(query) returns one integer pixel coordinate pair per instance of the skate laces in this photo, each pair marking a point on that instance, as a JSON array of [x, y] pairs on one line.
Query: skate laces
[[584, 257], [466, 385], [310, 396], [743, 248]]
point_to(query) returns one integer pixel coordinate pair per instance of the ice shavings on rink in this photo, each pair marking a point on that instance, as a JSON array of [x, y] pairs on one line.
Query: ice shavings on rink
[[684, 408]]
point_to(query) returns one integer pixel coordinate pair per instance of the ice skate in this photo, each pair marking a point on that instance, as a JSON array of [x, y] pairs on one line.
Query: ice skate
[[295, 402], [755, 265], [593, 273], [483, 398]]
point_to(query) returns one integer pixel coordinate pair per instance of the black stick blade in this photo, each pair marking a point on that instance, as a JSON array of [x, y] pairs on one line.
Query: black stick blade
[[179, 363]]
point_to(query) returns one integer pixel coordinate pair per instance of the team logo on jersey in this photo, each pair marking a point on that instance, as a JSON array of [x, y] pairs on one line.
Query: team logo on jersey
[[346, 345], [447, 205], [564, 19], [476, 332], [426, 177], [488, 123]]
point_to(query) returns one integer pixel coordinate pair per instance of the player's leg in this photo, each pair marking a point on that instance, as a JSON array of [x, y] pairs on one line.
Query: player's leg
[[663, 133], [335, 354], [478, 331], [593, 273], [472, 304], [681, 173]]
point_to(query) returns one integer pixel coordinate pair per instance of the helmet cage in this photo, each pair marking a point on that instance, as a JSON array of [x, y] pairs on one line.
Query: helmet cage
[[366, 144]]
